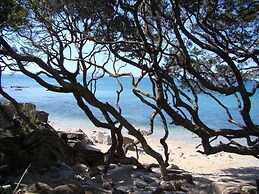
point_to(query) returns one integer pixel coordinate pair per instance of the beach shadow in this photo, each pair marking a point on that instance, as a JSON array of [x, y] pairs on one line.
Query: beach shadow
[[240, 175], [122, 175], [235, 175], [202, 185]]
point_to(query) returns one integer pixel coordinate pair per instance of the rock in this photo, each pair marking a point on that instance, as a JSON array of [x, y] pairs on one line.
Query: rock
[[8, 114], [97, 179], [154, 184], [76, 139], [43, 148], [249, 189], [41, 116], [137, 174], [139, 183], [63, 166], [5, 120], [68, 135], [40, 187], [140, 192], [89, 157], [30, 111], [170, 185], [93, 171], [233, 190], [220, 187], [124, 189], [101, 137], [188, 178], [92, 148], [5, 189], [147, 178], [150, 189], [80, 169], [68, 189], [112, 166], [173, 167], [107, 185]]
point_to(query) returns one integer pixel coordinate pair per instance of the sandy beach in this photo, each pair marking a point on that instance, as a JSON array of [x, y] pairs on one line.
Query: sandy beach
[[221, 167]]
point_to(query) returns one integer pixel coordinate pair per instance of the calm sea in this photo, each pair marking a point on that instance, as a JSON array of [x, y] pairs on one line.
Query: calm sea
[[64, 113]]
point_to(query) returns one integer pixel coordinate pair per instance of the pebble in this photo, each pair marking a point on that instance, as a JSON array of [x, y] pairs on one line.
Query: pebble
[[147, 178], [156, 183], [139, 183], [125, 189], [69, 189], [93, 171], [140, 192], [80, 169], [137, 174], [232, 187]]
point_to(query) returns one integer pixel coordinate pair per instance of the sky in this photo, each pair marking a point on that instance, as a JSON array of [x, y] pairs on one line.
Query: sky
[[71, 65]]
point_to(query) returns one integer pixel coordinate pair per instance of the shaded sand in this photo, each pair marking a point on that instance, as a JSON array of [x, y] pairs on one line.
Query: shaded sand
[[222, 167]]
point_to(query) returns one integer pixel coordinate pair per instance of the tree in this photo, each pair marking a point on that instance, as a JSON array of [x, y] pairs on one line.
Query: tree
[[210, 48], [176, 45]]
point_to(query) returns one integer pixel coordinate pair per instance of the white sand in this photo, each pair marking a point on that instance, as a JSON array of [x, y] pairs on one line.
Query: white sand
[[225, 167], [222, 167], [186, 157]]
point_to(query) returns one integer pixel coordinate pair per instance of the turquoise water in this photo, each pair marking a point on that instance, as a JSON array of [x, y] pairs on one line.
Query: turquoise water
[[64, 113]]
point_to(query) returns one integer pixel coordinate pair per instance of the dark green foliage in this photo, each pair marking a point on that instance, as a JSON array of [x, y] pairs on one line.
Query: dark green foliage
[[12, 14]]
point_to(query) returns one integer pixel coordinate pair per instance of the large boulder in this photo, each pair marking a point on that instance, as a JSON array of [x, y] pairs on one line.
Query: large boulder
[[42, 148], [101, 137], [8, 114], [38, 149], [233, 187], [11, 125]]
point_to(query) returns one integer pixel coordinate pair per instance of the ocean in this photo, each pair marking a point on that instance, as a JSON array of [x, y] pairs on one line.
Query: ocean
[[64, 112]]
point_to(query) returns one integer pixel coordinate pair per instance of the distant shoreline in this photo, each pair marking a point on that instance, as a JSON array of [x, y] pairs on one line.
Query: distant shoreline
[[19, 87], [16, 87]]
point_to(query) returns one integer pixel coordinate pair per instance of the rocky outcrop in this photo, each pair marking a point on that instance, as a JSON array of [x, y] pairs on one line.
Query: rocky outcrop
[[11, 125], [75, 138], [101, 137], [59, 161], [81, 178], [40, 187], [42, 148], [232, 187], [9, 114]]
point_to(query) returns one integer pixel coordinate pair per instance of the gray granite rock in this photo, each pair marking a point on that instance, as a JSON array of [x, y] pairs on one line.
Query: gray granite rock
[[249, 189], [101, 137], [147, 178], [40, 187], [139, 183], [68, 189], [233, 188]]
